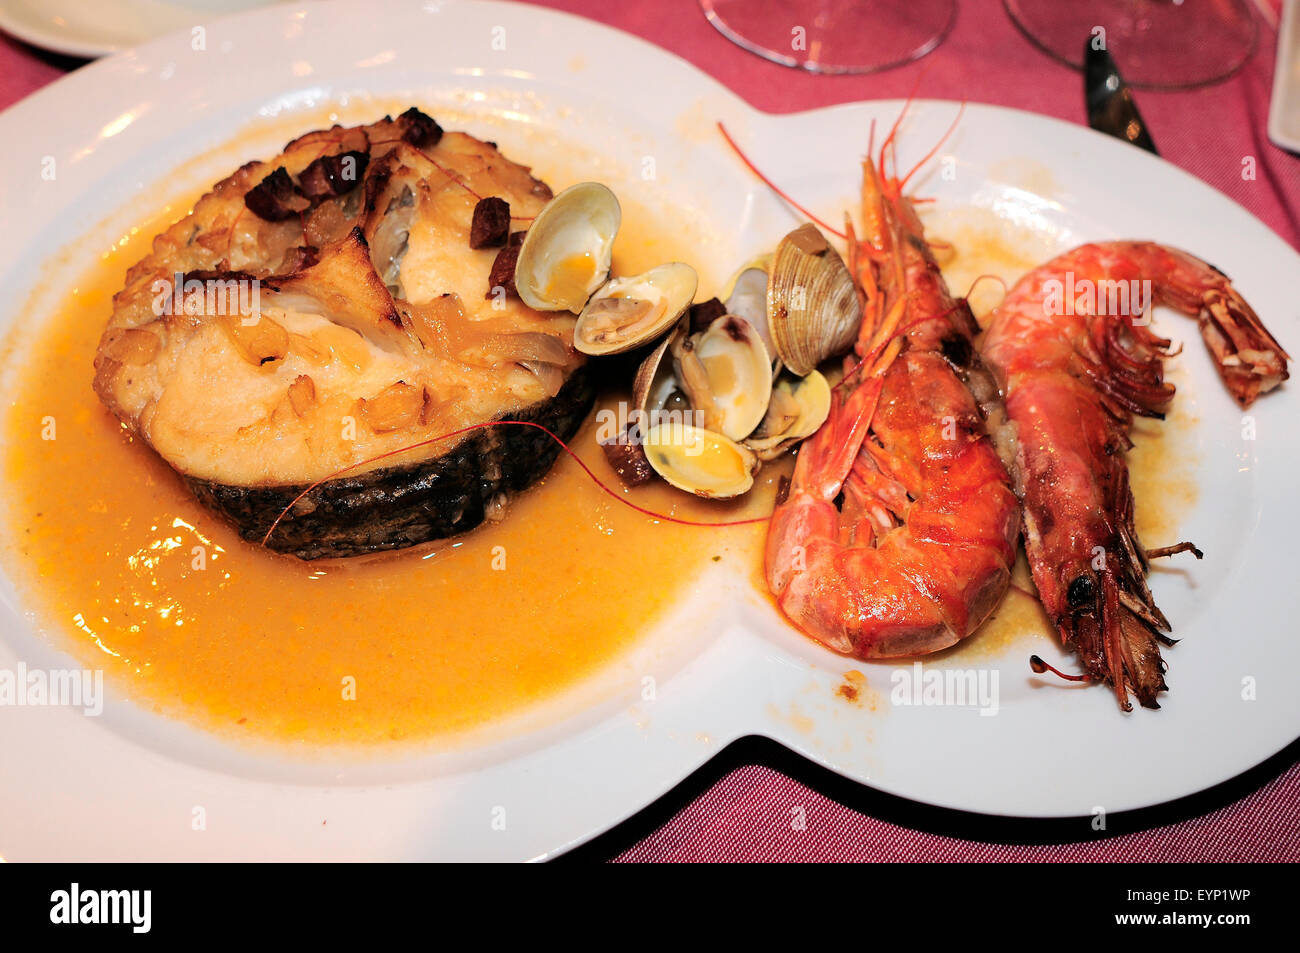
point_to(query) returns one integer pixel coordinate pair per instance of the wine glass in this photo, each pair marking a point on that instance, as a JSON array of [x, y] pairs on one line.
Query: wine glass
[[834, 36], [1157, 44]]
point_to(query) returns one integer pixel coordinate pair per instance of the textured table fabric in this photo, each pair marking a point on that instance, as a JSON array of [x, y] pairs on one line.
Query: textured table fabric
[[757, 814], [1213, 133]]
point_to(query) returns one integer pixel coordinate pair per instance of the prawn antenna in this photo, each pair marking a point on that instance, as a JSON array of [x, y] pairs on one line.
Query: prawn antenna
[[1039, 667], [937, 146], [984, 277], [772, 185], [1183, 547]]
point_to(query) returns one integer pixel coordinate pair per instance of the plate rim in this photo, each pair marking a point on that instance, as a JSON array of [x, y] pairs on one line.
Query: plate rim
[[53, 90]]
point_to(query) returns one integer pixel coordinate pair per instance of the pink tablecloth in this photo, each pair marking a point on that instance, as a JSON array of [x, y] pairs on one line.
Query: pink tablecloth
[[746, 814]]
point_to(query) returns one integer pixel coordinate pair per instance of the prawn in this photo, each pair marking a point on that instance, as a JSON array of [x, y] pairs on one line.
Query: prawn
[[897, 532], [1076, 362]]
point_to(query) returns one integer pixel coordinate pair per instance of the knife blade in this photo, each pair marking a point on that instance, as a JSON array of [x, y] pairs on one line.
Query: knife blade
[[1109, 101]]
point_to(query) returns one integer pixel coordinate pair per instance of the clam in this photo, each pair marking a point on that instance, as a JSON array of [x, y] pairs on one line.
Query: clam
[[799, 406], [628, 312], [746, 296], [566, 253], [726, 373], [655, 387], [813, 310], [700, 461]]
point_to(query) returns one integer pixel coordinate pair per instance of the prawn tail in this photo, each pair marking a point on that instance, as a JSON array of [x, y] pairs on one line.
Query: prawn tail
[[1249, 359]]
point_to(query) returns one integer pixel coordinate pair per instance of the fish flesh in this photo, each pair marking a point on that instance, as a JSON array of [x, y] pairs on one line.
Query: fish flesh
[[319, 318]]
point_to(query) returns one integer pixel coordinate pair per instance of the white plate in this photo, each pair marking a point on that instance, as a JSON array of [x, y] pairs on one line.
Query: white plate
[[125, 784], [97, 27]]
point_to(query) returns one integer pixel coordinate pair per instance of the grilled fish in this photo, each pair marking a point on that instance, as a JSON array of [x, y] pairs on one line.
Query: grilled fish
[[318, 314]]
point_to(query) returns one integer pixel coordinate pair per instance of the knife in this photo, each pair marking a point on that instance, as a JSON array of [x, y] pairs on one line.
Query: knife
[[1111, 108]]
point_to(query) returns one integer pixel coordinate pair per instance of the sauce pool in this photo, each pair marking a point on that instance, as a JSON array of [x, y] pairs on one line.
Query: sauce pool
[[126, 570]]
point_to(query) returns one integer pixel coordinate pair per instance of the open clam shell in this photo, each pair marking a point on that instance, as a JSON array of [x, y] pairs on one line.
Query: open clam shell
[[746, 297], [700, 461], [628, 312], [798, 408], [813, 310], [655, 387], [566, 253], [726, 373]]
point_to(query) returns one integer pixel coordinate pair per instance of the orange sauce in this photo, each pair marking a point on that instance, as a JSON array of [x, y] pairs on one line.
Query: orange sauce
[[127, 571]]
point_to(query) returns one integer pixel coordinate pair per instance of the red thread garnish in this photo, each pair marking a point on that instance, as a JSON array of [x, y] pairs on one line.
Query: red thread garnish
[[518, 423], [449, 173], [772, 185], [454, 176], [230, 235]]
